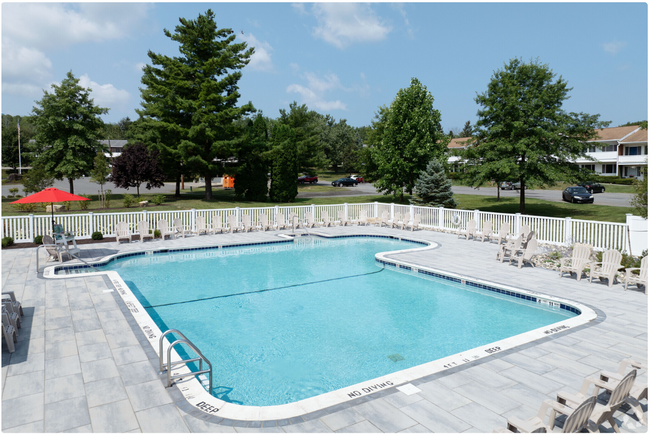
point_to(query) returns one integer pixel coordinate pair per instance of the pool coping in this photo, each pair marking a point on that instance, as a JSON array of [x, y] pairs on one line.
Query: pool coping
[[196, 395]]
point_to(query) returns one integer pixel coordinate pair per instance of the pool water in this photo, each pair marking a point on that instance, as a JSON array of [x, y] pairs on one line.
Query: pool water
[[285, 322]]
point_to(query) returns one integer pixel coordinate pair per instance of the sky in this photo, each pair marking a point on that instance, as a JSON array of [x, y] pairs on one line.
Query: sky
[[342, 59]]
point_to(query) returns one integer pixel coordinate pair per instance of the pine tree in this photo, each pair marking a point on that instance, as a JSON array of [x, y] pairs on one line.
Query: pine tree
[[284, 174], [192, 99], [433, 188], [251, 177], [69, 128]]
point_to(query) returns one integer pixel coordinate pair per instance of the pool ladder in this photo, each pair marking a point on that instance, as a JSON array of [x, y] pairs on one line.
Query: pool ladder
[[168, 366]]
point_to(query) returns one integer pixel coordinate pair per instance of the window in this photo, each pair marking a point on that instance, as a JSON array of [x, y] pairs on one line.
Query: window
[[591, 167], [609, 168], [633, 150]]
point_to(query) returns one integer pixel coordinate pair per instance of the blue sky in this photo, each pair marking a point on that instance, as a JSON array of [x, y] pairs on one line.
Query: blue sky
[[342, 59]]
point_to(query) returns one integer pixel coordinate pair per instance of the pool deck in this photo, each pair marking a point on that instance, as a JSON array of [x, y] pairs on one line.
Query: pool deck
[[83, 365]]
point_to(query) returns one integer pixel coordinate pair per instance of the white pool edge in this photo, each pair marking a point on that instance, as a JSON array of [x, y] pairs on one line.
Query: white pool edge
[[196, 394]]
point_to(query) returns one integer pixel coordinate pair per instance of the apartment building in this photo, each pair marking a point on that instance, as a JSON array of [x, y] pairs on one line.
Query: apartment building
[[624, 154]]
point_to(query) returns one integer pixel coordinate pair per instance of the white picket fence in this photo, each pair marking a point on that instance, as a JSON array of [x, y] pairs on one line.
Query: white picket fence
[[560, 231]]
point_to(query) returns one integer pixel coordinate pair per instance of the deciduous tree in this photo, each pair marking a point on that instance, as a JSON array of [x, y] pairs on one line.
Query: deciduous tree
[[193, 97], [68, 130], [11, 157], [412, 135], [522, 131], [37, 179], [136, 165]]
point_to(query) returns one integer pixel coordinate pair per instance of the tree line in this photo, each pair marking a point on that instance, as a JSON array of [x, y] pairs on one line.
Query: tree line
[[191, 124]]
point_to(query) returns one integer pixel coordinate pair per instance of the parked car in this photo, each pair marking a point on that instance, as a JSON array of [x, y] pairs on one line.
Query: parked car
[[358, 178], [309, 179], [577, 194], [517, 186], [506, 185], [344, 181], [593, 187]]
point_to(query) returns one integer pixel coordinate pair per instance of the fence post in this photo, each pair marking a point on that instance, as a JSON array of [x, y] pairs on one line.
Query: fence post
[[392, 211], [345, 207], [313, 211], [193, 219], [376, 209], [91, 223], [411, 211], [476, 219], [568, 232], [517, 223], [441, 219], [31, 227], [237, 212]]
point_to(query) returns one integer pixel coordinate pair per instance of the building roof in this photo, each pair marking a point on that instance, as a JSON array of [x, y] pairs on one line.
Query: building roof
[[616, 133], [638, 136], [459, 142], [114, 143]]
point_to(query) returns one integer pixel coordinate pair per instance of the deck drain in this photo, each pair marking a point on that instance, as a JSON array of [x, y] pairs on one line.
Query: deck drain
[[395, 357]]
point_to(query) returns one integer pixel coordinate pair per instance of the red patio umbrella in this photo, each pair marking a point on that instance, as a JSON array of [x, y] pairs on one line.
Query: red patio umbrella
[[50, 195]]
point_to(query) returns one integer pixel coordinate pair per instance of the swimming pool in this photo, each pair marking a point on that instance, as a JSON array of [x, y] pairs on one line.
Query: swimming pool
[[285, 322]]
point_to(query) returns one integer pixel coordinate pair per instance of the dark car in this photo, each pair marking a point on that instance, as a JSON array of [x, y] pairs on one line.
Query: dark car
[[593, 187], [309, 179], [344, 181], [577, 194]]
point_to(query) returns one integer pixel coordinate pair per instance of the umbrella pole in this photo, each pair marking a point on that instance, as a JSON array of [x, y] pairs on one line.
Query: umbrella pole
[[52, 209]]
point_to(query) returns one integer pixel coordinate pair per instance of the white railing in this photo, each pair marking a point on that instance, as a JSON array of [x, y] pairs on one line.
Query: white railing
[[561, 231]]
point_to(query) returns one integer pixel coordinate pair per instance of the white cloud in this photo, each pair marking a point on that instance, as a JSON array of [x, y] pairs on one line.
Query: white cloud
[[139, 66], [105, 95], [314, 93], [24, 64], [261, 59], [342, 24], [294, 67], [400, 8], [613, 47]]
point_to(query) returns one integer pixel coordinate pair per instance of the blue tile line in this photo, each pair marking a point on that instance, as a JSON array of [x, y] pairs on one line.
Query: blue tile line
[[480, 286]]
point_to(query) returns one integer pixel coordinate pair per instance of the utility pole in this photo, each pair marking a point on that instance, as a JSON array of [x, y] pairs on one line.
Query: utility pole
[[20, 164]]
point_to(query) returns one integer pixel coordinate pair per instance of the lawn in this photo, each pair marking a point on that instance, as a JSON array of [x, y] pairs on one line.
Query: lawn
[[226, 199], [609, 188]]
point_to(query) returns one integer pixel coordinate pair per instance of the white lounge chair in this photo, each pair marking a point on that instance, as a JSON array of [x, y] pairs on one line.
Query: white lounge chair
[[620, 395], [181, 229], [394, 221], [363, 218], [202, 227], [402, 224], [607, 268], [163, 227], [246, 222], [14, 316], [640, 389], [639, 279], [509, 247], [343, 220], [469, 232], [293, 218], [279, 221], [263, 224], [233, 226], [217, 223], [143, 230], [11, 297], [415, 224], [577, 418], [9, 333], [525, 255], [56, 251], [122, 232], [310, 220], [384, 219], [326, 219], [578, 261], [502, 235], [485, 232]]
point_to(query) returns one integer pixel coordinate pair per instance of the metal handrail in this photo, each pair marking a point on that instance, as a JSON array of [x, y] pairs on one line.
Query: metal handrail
[[169, 364]]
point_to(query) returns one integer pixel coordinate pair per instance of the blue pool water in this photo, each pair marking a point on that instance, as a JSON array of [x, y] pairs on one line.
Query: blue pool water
[[285, 322]]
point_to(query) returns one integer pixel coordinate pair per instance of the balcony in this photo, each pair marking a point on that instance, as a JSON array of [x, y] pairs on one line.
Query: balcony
[[633, 160], [600, 157]]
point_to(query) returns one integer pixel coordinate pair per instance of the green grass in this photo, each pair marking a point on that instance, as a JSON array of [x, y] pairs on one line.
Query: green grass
[[609, 188], [226, 199]]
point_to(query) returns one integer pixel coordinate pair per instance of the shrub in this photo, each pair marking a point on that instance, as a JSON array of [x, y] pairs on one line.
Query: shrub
[[67, 205], [7, 241], [158, 199], [84, 203], [26, 207], [108, 197], [97, 236], [613, 180], [128, 200], [156, 233], [13, 192], [38, 239]]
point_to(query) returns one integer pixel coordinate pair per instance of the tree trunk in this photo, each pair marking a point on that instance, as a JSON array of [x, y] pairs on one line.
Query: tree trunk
[[498, 193], [522, 197], [178, 186], [208, 186], [138, 190], [70, 180]]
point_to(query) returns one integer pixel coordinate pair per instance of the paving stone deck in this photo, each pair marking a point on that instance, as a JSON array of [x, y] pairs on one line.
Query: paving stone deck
[[82, 364]]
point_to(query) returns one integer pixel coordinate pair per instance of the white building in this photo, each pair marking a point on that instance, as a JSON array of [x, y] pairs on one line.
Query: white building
[[625, 152]]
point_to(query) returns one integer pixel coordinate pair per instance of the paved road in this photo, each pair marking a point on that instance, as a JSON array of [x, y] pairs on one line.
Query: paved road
[[84, 186]]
